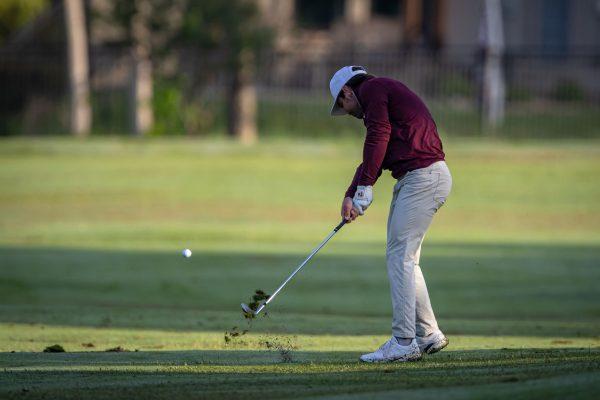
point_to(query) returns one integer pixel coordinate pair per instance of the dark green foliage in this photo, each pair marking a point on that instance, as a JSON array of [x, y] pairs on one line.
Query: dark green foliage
[[110, 112], [176, 115], [568, 91], [14, 14], [228, 26], [161, 28], [518, 93], [235, 37]]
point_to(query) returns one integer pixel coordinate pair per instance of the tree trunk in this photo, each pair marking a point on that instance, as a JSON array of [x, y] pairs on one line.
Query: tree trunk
[[357, 12], [142, 115], [413, 21], [79, 89], [242, 100], [141, 77]]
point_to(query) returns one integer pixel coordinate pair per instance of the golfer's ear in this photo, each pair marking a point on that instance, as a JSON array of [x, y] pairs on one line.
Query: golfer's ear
[[346, 90]]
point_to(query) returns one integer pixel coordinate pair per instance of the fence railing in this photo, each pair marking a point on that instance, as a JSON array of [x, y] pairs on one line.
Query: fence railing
[[545, 96]]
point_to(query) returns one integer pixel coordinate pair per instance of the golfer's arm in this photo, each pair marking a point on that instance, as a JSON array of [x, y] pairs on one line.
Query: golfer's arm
[[369, 170], [352, 188], [373, 155], [379, 130]]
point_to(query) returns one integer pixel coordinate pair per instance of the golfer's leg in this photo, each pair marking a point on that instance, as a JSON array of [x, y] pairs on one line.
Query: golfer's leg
[[397, 187], [407, 226], [394, 256], [425, 319]]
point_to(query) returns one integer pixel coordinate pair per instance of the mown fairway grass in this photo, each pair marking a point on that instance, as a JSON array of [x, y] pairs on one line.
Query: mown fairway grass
[[90, 241]]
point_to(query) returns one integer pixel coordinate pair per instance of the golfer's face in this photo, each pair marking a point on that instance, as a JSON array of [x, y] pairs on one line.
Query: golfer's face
[[349, 103]]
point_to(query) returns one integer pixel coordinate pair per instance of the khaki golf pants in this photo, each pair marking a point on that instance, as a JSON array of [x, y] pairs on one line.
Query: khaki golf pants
[[417, 197]]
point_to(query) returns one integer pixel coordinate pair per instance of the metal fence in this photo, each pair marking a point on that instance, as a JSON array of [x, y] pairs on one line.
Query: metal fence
[[546, 96]]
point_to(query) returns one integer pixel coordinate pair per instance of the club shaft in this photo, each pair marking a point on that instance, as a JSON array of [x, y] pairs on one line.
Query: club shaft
[[289, 278]]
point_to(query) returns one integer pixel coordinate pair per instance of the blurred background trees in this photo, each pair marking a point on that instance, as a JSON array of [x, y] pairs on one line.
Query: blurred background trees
[[244, 67], [234, 30], [146, 27], [14, 14], [170, 32]]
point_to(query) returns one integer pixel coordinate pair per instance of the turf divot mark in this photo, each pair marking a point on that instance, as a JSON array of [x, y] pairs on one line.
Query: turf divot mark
[[117, 349], [56, 348]]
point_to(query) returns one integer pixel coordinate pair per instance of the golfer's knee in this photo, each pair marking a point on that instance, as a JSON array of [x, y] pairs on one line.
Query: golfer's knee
[[396, 246], [405, 246]]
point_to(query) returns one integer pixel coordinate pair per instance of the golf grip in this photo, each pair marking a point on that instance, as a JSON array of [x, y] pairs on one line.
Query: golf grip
[[337, 228]]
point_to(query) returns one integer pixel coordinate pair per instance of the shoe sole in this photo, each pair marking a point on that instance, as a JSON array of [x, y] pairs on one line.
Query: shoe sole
[[435, 347], [402, 359]]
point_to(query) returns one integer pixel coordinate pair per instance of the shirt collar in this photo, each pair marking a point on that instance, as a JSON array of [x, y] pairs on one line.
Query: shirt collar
[[359, 86]]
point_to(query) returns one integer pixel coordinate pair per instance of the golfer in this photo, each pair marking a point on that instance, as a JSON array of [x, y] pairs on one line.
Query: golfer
[[401, 137]]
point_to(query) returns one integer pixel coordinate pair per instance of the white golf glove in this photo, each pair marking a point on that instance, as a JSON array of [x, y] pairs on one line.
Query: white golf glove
[[362, 198]]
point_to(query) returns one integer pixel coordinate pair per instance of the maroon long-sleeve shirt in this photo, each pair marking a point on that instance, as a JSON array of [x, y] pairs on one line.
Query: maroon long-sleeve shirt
[[401, 134]]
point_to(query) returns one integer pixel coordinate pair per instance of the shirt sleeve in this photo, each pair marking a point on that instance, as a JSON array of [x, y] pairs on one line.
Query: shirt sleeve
[[374, 98], [352, 188]]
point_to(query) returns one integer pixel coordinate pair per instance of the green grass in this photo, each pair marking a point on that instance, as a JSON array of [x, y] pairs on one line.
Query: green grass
[[90, 241]]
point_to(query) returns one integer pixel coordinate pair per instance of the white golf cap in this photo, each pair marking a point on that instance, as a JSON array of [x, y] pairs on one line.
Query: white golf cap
[[339, 79]]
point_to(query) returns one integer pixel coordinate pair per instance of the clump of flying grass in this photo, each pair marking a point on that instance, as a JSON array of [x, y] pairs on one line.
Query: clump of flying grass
[[258, 298]]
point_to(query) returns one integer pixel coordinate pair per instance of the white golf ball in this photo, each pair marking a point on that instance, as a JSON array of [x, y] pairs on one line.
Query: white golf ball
[[187, 253]]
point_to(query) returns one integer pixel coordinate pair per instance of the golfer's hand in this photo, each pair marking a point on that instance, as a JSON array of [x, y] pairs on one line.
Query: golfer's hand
[[362, 198], [348, 211]]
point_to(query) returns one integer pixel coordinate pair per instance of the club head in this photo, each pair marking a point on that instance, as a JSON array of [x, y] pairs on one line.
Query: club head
[[246, 309]]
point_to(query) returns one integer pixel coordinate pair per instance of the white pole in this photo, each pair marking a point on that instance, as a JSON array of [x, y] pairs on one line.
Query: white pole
[[493, 74]]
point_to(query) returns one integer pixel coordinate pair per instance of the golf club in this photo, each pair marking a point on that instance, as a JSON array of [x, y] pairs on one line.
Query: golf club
[[248, 310]]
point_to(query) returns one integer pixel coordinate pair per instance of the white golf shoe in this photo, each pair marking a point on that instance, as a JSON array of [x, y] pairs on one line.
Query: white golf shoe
[[432, 343], [392, 351]]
